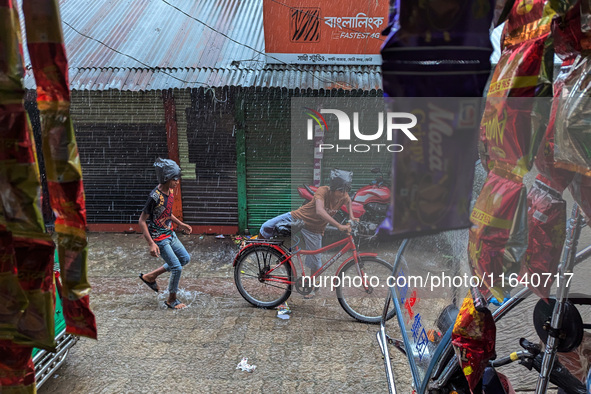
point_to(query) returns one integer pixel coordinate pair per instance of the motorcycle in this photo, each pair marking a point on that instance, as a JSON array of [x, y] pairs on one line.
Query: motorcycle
[[369, 203]]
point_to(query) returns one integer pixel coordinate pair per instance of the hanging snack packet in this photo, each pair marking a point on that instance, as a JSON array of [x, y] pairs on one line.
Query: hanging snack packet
[[35, 263], [566, 30], [547, 224], [512, 128], [13, 300], [17, 371], [473, 339], [20, 200], [60, 151], [498, 238]]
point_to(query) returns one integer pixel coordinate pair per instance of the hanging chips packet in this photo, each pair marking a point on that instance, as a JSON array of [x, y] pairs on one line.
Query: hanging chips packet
[[21, 221], [546, 219], [17, 371], [60, 151], [13, 300], [498, 238], [473, 339], [511, 128]]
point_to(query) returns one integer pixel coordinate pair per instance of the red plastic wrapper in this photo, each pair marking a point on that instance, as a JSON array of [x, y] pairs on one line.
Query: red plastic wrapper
[[79, 319], [13, 300], [11, 55], [556, 178], [522, 14], [60, 151], [35, 261], [498, 238], [512, 128], [17, 371], [546, 218], [473, 339], [566, 30]]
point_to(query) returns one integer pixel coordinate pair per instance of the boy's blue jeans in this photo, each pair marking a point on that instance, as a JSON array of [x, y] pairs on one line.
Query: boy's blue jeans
[[176, 257]]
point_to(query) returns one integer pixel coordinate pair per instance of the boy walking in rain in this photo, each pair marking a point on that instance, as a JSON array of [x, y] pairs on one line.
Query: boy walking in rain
[[155, 222]]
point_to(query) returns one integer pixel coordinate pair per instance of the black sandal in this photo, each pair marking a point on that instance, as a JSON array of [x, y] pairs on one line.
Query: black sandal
[[151, 285]]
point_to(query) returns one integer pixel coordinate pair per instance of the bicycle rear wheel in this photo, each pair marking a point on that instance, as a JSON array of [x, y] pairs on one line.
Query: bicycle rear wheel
[[363, 296], [261, 279]]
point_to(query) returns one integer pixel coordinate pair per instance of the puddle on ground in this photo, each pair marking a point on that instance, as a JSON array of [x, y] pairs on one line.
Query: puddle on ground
[[187, 297]]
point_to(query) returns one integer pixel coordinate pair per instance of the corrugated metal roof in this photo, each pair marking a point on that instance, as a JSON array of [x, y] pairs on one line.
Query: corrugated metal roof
[[302, 77], [151, 45]]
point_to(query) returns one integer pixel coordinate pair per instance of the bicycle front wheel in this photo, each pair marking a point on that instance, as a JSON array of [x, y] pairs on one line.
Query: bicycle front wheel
[[363, 289], [261, 278]]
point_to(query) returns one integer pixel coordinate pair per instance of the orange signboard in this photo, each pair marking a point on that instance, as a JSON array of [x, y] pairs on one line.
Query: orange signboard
[[324, 32]]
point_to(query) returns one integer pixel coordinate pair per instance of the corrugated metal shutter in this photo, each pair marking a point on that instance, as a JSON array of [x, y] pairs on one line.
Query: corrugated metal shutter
[[211, 198], [268, 155], [117, 168]]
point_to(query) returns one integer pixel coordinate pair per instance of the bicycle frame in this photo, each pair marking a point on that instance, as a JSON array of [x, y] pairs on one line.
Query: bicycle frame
[[444, 364], [348, 244]]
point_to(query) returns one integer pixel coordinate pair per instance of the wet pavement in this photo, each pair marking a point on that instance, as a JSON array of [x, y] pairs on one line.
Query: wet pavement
[[145, 347]]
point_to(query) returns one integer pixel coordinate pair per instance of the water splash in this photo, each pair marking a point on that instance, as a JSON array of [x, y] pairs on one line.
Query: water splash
[[187, 297]]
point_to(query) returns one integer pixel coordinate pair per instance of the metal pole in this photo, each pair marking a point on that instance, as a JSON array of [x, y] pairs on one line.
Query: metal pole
[[566, 265]]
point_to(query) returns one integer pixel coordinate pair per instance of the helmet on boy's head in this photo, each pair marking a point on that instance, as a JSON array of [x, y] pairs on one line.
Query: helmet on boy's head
[[166, 170], [340, 180]]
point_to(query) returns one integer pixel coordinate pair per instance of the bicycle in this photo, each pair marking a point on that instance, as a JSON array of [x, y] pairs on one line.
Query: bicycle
[[440, 371], [265, 274]]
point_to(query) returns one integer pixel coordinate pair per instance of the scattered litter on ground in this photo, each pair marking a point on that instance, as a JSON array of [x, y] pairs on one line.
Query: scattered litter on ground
[[243, 365], [283, 311], [238, 239], [220, 236], [201, 237]]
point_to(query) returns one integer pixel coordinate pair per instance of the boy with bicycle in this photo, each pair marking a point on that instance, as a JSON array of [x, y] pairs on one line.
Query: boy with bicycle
[[317, 213]]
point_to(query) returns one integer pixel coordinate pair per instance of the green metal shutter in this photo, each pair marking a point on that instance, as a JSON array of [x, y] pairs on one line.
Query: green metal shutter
[[268, 155]]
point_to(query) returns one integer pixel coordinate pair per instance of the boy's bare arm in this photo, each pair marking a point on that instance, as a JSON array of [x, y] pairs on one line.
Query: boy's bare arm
[[321, 211], [185, 227], [350, 209], [154, 249]]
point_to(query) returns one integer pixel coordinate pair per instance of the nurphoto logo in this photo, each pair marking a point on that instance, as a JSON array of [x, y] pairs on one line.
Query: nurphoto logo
[[348, 131]]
